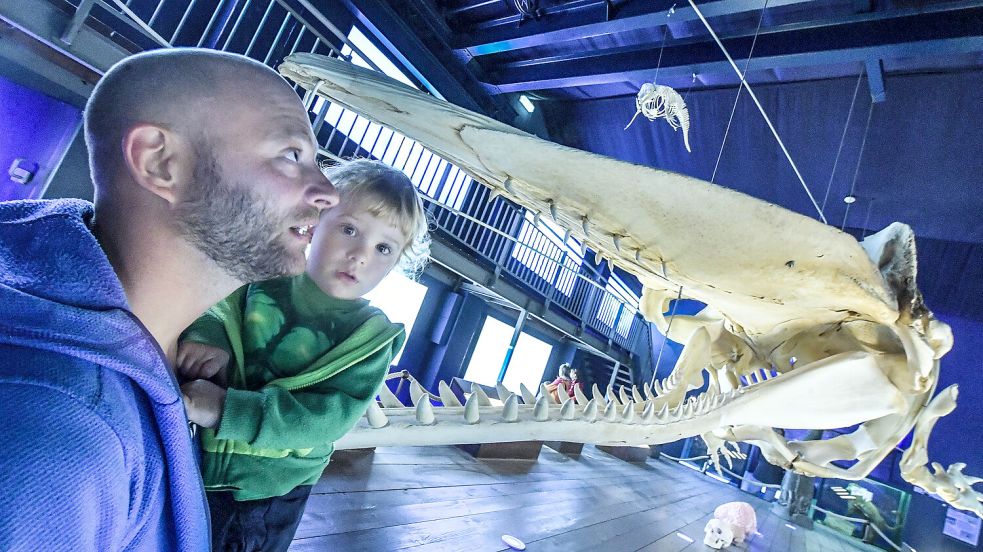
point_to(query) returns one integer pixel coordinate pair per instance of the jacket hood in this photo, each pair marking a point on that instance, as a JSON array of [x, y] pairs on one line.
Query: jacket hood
[[59, 293]]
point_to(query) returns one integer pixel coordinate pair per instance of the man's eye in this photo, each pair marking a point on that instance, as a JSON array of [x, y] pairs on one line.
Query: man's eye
[[293, 155], [384, 249]]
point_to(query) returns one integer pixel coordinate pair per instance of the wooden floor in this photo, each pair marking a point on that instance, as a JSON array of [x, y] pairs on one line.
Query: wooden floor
[[441, 499]]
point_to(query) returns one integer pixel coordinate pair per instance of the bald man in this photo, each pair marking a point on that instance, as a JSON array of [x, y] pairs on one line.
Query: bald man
[[206, 178]]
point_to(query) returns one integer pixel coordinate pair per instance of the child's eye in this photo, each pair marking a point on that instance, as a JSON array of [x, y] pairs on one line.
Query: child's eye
[[348, 230], [384, 249]]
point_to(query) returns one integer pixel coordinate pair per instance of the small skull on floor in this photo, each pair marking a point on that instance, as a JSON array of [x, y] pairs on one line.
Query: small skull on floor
[[732, 522]]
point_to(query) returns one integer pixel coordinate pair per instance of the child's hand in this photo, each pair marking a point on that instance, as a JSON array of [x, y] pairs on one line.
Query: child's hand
[[200, 361], [203, 401]]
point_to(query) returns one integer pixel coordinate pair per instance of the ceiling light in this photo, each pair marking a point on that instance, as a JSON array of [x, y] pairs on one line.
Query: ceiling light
[[527, 103], [849, 199]]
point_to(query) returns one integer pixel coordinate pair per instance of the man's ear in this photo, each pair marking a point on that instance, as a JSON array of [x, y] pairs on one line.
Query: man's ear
[[157, 159]]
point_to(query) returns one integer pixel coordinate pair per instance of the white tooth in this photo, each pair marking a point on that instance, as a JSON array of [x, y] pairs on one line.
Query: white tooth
[[659, 391], [623, 395], [611, 412], [566, 235], [584, 225], [595, 393], [417, 393], [590, 411], [447, 397], [635, 395], [663, 414], [375, 416], [481, 397], [617, 243], [388, 398], [471, 411], [537, 217], [579, 395], [610, 266], [638, 255], [597, 257], [544, 392], [583, 248], [647, 390], [552, 207], [568, 410], [424, 413], [648, 415], [502, 391], [527, 396], [612, 398], [628, 414], [510, 410], [542, 409], [494, 194], [508, 185]]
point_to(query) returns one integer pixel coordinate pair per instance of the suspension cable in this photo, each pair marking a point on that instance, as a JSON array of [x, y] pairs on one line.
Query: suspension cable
[[754, 97]]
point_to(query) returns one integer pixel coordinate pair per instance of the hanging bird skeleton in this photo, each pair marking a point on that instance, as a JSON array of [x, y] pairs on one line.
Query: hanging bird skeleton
[[804, 326], [655, 101]]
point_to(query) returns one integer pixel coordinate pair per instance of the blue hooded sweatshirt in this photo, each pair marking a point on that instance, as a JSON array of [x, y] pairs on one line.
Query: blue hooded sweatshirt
[[95, 452]]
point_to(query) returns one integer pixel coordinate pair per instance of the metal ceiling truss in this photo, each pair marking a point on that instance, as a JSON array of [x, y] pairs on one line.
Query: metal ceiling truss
[[853, 40]]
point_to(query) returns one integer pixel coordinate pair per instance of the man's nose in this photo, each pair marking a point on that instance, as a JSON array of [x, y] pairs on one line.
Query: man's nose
[[320, 192]]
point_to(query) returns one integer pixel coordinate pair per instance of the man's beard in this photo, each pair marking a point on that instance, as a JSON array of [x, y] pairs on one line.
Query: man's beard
[[235, 226]]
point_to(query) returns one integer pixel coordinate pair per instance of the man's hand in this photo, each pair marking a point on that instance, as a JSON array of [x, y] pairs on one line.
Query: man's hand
[[203, 401], [200, 361]]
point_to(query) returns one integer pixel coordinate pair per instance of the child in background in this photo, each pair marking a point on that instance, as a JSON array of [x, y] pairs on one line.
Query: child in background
[[281, 369], [562, 377]]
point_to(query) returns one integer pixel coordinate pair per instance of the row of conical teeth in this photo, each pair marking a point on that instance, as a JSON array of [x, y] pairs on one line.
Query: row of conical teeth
[[626, 407]]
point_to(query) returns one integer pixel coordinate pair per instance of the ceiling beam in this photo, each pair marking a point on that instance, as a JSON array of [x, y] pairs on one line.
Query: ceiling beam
[[591, 20], [402, 42], [913, 35]]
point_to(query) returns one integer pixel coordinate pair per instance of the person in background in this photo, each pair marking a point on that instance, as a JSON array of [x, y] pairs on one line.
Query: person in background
[[562, 379], [307, 355], [205, 178], [575, 382]]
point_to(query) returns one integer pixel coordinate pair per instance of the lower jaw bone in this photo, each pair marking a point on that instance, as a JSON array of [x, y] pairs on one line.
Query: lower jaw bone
[[839, 391]]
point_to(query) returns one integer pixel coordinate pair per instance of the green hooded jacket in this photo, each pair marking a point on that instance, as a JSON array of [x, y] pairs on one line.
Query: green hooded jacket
[[303, 369]]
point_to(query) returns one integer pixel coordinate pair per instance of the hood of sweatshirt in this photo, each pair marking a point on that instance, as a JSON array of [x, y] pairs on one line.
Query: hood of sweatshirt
[[58, 292]]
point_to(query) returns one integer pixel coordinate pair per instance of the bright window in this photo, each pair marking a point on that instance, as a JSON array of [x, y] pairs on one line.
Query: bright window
[[528, 361], [541, 248], [618, 294], [400, 298], [423, 167]]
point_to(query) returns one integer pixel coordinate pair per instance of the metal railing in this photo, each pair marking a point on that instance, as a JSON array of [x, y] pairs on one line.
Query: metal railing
[[496, 231]]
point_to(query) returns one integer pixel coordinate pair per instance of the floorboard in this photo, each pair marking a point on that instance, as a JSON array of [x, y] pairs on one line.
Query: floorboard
[[441, 499]]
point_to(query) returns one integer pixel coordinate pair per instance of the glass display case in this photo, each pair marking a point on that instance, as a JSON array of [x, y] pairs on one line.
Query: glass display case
[[867, 510]]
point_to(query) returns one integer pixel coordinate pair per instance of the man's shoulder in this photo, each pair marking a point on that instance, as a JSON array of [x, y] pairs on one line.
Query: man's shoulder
[[35, 377]]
